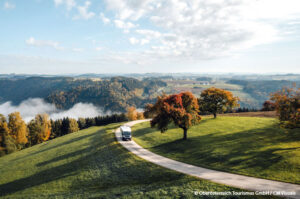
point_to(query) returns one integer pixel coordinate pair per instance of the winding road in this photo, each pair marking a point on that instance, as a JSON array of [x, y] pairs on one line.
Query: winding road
[[234, 180]]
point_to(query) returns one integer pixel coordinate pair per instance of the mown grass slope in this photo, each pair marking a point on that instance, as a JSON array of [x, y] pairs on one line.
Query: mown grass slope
[[246, 145], [91, 164]]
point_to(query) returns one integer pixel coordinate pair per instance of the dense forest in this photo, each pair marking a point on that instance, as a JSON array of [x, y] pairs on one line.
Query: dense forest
[[115, 94]]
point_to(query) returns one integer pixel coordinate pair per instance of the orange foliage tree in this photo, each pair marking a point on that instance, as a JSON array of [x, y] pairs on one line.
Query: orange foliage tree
[[17, 128], [39, 129], [268, 106], [181, 109], [140, 116], [132, 113], [216, 100], [287, 104]]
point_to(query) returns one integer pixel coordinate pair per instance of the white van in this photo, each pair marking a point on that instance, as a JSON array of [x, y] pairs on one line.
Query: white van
[[126, 133]]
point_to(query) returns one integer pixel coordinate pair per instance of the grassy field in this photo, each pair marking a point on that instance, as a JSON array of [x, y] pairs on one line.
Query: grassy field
[[91, 164], [245, 145]]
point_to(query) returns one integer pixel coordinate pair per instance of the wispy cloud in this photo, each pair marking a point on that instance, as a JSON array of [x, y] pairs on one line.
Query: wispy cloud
[[84, 12], [205, 29], [104, 19], [126, 26], [68, 3], [43, 43], [9, 6]]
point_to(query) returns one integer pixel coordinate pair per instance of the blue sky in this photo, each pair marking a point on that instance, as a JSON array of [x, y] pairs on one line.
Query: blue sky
[[134, 36]]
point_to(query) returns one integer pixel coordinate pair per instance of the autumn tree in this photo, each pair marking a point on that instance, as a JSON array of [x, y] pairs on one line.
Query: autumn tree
[[140, 116], [17, 128], [180, 109], [268, 106], [132, 114], [73, 126], [287, 105], [216, 100], [39, 129]]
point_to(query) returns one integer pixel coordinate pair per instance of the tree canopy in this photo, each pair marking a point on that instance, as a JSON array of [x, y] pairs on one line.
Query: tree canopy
[[17, 127], [216, 100], [181, 109], [39, 129], [287, 105]]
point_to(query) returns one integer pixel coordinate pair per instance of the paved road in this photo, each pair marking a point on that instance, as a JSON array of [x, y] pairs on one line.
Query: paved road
[[234, 180]]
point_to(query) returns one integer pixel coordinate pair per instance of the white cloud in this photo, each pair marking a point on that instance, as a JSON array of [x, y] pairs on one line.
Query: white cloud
[[130, 9], [98, 48], [205, 29], [105, 20], [43, 43], [83, 11], [149, 34], [126, 26], [68, 3], [9, 6], [133, 40]]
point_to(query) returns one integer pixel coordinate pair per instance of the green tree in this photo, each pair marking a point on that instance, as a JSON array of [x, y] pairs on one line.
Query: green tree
[[18, 129], [69, 125], [7, 144], [81, 123], [57, 129], [181, 109], [216, 100]]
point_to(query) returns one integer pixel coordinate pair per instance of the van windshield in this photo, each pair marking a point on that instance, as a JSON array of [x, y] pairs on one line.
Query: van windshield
[[126, 133]]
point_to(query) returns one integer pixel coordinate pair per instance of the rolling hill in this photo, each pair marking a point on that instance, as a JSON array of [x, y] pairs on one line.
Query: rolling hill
[[91, 164]]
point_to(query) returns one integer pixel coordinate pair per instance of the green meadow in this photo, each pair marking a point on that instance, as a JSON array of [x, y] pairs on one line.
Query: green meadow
[[91, 164], [252, 146]]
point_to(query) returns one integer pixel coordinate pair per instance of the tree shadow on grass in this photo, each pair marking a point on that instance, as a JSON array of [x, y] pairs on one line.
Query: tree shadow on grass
[[245, 150], [102, 165]]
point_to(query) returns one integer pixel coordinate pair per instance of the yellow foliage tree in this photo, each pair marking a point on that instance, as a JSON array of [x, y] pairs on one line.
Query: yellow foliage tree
[[132, 114], [39, 129], [140, 116], [17, 127]]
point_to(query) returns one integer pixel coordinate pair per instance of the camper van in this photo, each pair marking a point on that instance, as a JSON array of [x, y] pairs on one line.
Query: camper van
[[126, 133]]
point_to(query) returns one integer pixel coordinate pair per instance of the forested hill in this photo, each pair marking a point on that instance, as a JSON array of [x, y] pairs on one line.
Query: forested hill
[[261, 89], [113, 94]]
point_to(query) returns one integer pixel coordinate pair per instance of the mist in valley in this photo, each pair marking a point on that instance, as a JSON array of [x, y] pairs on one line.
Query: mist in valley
[[31, 107]]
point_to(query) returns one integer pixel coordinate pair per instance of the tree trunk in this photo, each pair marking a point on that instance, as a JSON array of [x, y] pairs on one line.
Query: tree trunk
[[184, 134], [215, 115]]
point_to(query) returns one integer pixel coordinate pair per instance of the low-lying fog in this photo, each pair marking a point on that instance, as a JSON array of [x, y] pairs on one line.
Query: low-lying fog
[[31, 107]]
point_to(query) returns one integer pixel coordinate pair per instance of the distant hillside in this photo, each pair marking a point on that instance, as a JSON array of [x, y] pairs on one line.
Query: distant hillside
[[261, 89], [117, 93], [113, 94]]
